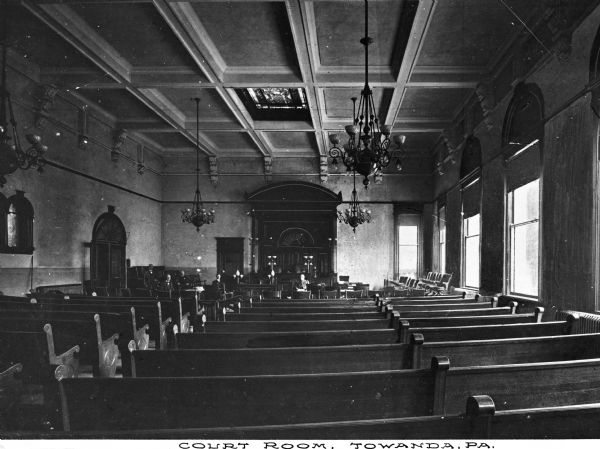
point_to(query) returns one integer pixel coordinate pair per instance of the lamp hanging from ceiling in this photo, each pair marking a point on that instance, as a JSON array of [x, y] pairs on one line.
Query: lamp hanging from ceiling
[[197, 214], [12, 155], [354, 215], [367, 150]]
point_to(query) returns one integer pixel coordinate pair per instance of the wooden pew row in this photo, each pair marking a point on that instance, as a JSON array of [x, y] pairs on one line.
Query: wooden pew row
[[309, 309], [270, 361], [36, 352], [480, 421], [100, 337], [310, 302], [285, 339], [408, 326], [368, 357], [251, 316], [378, 298], [491, 331], [425, 309], [146, 317], [180, 310], [505, 351], [381, 303], [470, 328], [148, 403], [474, 423], [284, 326]]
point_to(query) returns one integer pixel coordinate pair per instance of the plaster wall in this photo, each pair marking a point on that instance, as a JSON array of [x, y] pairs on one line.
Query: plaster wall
[[367, 256], [66, 203]]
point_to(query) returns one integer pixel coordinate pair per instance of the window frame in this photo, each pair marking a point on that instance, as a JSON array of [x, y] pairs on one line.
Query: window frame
[[442, 242], [408, 219], [509, 239], [464, 251]]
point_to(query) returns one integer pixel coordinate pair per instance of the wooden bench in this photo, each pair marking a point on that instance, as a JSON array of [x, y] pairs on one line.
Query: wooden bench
[[433, 300], [223, 401], [488, 331], [312, 309], [480, 421], [36, 352], [408, 326], [286, 339], [251, 316], [188, 402], [263, 361], [284, 326], [506, 351], [100, 337], [517, 386], [146, 316], [426, 309]]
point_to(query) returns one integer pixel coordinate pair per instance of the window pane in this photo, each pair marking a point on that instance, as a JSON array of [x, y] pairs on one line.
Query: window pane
[[407, 260], [524, 260], [13, 228], [526, 202], [408, 235], [443, 257], [472, 227], [472, 262]]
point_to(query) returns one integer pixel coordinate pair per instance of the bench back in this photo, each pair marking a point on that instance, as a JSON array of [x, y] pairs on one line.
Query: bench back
[[262, 361], [527, 385], [406, 327], [252, 316], [286, 339], [287, 326], [193, 402], [506, 351], [487, 331]]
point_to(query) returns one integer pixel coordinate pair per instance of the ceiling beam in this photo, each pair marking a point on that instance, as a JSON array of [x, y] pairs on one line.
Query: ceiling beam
[[298, 25], [64, 21], [421, 22], [186, 25]]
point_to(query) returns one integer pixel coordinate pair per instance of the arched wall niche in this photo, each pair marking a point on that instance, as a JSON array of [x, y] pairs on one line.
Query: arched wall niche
[[524, 119], [291, 220], [109, 239], [470, 163]]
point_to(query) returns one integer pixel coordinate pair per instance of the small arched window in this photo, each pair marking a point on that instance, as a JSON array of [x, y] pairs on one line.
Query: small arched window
[[19, 225]]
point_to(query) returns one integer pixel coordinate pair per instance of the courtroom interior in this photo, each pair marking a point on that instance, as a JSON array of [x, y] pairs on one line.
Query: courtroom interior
[[300, 219]]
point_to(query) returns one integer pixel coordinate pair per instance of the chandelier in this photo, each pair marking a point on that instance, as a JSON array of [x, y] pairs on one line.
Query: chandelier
[[367, 149], [198, 215], [12, 155], [354, 215]]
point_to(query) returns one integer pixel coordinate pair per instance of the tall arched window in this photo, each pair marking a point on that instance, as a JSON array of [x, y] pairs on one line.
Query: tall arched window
[[521, 142], [19, 224], [108, 251]]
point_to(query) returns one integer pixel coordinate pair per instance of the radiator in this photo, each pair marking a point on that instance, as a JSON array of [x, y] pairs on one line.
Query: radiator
[[589, 323]]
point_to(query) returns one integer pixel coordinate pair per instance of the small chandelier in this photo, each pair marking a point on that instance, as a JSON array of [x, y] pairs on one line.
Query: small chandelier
[[12, 155], [197, 214], [366, 151], [354, 215]]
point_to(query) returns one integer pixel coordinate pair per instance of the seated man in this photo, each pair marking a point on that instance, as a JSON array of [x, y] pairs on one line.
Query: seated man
[[302, 283]]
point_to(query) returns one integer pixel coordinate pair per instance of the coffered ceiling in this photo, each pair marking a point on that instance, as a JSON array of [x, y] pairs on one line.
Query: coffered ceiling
[[143, 61]]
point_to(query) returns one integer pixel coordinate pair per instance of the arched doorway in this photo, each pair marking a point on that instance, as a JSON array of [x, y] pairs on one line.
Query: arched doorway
[[297, 223], [107, 264]]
